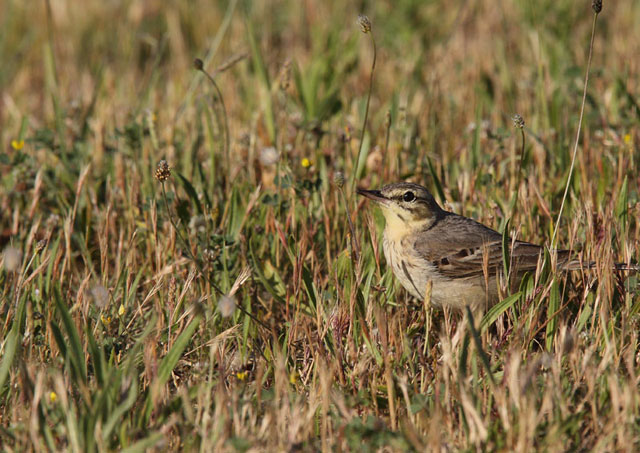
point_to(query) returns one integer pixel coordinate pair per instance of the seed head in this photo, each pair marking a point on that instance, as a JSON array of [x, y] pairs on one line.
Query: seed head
[[226, 306], [518, 121], [285, 76], [339, 179], [209, 254], [198, 64], [269, 156], [100, 296], [163, 171], [596, 5], [41, 244], [364, 23], [198, 224], [12, 258]]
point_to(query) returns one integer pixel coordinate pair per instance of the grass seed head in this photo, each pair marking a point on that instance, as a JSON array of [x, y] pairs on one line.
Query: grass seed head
[[596, 5], [364, 23], [518, 121], [12, 258], [285, 76], [163, 171], [269, 156], [100, 296], [41, 244], [226, 306]]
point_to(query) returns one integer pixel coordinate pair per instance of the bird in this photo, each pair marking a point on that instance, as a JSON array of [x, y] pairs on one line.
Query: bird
[[461, 257]]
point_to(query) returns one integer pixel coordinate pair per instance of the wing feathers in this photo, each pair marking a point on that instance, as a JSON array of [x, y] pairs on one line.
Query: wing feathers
[[462, 248]]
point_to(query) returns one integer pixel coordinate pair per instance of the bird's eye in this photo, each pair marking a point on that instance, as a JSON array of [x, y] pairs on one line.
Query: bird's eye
[[408, 196]]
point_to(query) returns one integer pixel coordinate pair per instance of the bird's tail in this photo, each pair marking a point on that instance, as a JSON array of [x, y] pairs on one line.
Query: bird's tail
[[627, 267], [576, 265]]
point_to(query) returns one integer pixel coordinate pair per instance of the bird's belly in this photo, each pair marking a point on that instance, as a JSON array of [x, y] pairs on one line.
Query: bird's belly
[[414, 273]]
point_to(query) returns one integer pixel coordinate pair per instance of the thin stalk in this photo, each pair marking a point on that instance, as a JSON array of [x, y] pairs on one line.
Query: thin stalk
[[227, 141], [386, 140], [354, 240], [366, 114], [575, 146], [521, 158]]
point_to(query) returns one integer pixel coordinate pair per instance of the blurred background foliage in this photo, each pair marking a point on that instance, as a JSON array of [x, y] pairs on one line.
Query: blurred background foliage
[[112, 335]]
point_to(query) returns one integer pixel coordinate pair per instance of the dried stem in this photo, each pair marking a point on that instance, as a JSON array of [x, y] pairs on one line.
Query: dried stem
[[575, 146]]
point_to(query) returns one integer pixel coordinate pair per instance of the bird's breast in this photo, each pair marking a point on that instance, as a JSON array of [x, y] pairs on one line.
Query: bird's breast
[[414, 273]]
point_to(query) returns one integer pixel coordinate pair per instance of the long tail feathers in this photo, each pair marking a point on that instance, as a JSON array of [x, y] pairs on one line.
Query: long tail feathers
[[627, 267], [576, 265]]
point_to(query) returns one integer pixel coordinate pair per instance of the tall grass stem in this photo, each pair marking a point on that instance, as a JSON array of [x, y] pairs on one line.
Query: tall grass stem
[[366, 114], [554, 238]]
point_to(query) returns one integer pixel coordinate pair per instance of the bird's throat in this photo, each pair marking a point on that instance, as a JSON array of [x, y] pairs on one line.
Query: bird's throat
[[398, 226]]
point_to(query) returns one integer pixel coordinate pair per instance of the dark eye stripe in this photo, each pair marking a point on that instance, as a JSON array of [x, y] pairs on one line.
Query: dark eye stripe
[[407, 205], [400, 198]]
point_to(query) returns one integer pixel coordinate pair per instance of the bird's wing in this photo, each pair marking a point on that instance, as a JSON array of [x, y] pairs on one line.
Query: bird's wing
[[461, 248]]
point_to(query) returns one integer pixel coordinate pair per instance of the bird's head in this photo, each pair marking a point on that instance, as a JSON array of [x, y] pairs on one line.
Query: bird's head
[[406, 206]]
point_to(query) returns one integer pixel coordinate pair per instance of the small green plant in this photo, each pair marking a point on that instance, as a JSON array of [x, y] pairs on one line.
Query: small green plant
[[235, 302]]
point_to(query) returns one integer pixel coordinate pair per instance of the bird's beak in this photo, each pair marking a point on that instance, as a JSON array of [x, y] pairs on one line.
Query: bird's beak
[[374, 195]]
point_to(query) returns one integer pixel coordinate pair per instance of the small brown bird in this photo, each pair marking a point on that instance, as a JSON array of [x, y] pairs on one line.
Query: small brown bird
[[461, 257]]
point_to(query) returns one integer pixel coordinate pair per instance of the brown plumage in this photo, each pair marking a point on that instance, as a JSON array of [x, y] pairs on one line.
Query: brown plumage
[[459, 256]]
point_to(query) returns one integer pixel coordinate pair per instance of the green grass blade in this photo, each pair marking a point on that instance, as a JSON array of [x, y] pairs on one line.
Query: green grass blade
[[75, 347], [554, 305], [494, 312], [436, 181], [191, 191], [97, 357], [115, 418], [464, 356], [263, 279], [51, 80], [169, 362], [145, 444], [478, 342], [263, 75], [57, 335], [621, 209], [10, 351], [506, 253], [12, 344]]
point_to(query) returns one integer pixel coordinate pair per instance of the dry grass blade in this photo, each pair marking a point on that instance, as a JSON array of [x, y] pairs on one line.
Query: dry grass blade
[[235, 297]]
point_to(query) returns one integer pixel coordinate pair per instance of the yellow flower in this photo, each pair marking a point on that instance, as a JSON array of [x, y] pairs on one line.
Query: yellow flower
[[293, 377], [53, 397], [627, 139], [17, 144], [121, 310], [306, 163], [105, 320], [242, 375]]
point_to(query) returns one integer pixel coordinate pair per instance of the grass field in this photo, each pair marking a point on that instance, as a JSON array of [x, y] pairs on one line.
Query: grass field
[[232, 306]]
